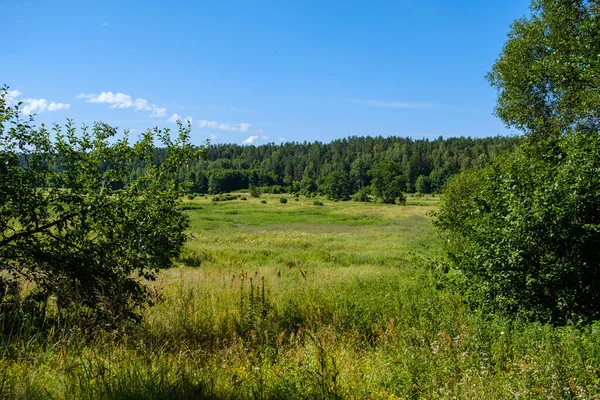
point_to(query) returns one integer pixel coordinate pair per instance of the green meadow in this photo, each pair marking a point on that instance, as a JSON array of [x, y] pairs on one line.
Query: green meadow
[[343, 300]]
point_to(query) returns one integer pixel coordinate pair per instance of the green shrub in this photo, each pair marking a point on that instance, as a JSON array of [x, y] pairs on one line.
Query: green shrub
[[263, 201], [225, 197], [85, 238], [317, 203], [254, 191], [283, 200], [191, 197], [524, 231], [361, 196]]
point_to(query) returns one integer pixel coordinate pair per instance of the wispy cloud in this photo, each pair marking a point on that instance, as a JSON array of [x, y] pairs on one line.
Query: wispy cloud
[[10, 96], [242, 127], [250, 140], [266, 138], [174, 118], [121, 100], [158, 112], [395, 104], [208, 124], [32, 106]]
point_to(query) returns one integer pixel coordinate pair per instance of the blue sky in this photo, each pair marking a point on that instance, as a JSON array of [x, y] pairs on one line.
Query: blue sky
[[260, 71]]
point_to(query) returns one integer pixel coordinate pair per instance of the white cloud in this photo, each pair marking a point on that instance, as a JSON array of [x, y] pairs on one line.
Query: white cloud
[[282, 139], [266, 138], [158, 112], [242, 127], [121, 100], [10, 96], [33, 106], [58, 106], [207, 124], [213, 136], [174, 118], [116, 100], [394, 104], [141, 104], [250, 140]]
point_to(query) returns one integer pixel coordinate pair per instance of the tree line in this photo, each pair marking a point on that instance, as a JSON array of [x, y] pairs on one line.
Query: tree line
[[339, 169]]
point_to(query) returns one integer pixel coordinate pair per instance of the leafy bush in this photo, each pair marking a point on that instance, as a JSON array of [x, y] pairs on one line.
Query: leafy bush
[[224, 197], [361, 196], [76, 226], [263, 201], [276, 189], [283, 200], [254, 191], [317, 203], [524, 231]]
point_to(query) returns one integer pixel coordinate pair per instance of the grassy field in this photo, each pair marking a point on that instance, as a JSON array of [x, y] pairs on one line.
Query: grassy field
[[283, 301]]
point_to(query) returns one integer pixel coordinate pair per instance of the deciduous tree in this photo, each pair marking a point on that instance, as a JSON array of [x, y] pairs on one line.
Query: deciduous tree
[[524, 231]]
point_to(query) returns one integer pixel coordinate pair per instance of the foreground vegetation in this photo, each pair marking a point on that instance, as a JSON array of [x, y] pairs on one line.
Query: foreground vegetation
[[344, 300]]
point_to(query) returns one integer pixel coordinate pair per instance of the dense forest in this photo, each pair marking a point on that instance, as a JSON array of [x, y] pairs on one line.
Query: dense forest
[[341, 168]]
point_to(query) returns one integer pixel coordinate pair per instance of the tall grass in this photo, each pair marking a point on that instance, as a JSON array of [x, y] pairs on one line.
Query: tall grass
[[283, 301]]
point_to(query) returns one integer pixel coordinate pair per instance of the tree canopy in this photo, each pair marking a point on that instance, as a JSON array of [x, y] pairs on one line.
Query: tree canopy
[[547, 74], [523, 232], [314, 167], [388, 182]]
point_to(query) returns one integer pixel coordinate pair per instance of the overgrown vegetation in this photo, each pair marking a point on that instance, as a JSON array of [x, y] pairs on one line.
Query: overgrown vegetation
[[340, 301]]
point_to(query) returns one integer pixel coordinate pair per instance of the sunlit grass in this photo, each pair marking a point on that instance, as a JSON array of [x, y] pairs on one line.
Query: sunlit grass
[[281, 301]]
